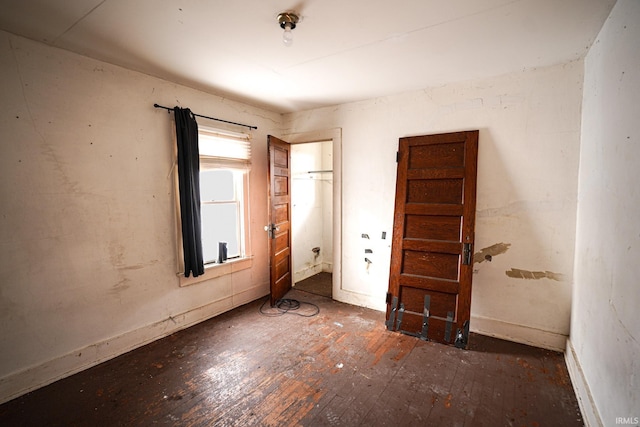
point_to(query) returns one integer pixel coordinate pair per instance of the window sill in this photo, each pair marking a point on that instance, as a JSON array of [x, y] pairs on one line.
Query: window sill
[[212, 271]]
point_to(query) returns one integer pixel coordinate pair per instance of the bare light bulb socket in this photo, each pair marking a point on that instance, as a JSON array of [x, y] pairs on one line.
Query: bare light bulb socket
[[287, 21]]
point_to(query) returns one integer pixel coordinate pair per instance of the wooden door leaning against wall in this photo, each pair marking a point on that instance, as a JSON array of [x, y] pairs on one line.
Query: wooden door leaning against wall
[[433, 235]]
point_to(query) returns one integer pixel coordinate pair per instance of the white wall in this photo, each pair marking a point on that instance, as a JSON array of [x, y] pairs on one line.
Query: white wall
[[87, 235], [311, 212], [306, 210], [326, 184], [529, 126], [604, 350]]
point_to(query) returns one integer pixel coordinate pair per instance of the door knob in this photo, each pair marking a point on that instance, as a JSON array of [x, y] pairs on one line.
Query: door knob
[[270, 229]]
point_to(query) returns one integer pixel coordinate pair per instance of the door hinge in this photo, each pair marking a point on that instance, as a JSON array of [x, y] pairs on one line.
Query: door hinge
[[390, 323], [448, 326], [466, 254], [462, 336], [397, 157]]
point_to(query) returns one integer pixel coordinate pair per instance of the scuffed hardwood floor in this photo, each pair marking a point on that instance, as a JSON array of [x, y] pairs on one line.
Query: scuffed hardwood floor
[[319, 284], [339, 368]]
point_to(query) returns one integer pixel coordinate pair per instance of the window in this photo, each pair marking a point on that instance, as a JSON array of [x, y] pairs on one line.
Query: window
[[225, 161], [222, 212]]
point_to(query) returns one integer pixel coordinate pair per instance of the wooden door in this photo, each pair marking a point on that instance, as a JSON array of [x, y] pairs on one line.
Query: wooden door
[[433, 235], [279, 227]]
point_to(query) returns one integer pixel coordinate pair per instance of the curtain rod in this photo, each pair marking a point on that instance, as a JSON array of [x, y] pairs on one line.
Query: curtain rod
[[210, 118]]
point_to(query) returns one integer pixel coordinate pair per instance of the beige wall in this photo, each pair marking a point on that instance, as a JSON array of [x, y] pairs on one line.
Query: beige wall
[[604, 351], [87, 236], [529, 126]]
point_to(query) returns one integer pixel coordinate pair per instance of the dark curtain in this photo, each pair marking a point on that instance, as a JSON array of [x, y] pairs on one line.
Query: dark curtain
[[189, 182]]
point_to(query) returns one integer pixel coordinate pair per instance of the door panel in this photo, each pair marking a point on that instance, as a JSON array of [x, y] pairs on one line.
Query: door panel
[[428, 263], [432, 227], [435, 190], [281, 211], [433, 235], [436, 156], [279, 227]]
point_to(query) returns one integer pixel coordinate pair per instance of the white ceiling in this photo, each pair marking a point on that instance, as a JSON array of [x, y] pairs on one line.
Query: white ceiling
[[343, 50]]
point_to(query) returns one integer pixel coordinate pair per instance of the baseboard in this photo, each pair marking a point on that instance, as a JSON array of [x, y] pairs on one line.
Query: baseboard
[[249, 295], [19, 383], [518, 333], [590, 413], [360, 299], [307, 272]]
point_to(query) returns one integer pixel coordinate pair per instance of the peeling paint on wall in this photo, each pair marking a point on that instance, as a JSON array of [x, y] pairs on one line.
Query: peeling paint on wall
[[516, 273], [486, 254]]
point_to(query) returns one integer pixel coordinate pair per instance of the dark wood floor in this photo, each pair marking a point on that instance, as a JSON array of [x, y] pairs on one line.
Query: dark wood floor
[[319, 284], [340, 367]]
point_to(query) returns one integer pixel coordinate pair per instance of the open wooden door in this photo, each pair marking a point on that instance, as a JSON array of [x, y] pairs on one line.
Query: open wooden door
[[279, 227], [433, 235]]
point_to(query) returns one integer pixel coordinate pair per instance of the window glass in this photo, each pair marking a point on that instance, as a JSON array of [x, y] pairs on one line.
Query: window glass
[[216, 185], [220, 224]]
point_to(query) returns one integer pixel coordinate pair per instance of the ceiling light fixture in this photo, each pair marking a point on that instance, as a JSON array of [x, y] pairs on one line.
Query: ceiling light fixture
[[287, 21]]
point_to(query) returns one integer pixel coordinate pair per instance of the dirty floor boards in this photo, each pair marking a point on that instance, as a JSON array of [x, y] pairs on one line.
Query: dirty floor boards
[[338, 368], [319, 284]]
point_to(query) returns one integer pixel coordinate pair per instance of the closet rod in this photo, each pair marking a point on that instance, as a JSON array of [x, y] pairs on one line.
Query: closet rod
[[319, 171], [210, 118]]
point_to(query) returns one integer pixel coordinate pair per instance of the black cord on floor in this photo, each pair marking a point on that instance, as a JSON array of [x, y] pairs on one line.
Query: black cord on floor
[[288, 306]]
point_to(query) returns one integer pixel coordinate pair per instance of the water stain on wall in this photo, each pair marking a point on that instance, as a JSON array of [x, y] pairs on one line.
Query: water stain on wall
[[516, 273], [487, 254], [122, 285], [116, 254]]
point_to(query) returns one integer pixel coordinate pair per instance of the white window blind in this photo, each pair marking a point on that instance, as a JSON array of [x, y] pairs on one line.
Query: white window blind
[[222, 150]]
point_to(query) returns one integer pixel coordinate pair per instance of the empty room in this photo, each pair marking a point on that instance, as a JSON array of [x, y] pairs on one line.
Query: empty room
[[319, 213]]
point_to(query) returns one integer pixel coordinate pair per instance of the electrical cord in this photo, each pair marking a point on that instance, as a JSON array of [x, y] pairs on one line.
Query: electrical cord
[[288, 306]]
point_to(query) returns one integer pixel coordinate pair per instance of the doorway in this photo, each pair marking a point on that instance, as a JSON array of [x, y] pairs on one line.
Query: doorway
[[312, 216], [280, 265]]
